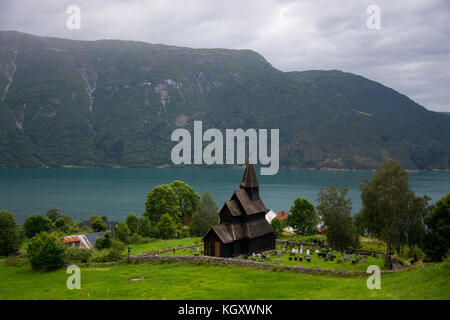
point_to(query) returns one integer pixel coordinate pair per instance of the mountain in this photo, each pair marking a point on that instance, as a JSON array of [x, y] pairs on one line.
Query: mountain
[[116, 103]]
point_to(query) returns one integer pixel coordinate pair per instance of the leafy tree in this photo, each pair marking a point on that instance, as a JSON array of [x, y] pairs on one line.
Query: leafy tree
[[166, 226], [303, 218], [104, 242], [147, 228], [437, 238], [46, 251], [162, 200], [98, 225], [53, 214], [391, 212], [334, 210], [278, 226], [122, 232], [205, 216], [37, 223], [10, 235], [189, 199], [132, 222]]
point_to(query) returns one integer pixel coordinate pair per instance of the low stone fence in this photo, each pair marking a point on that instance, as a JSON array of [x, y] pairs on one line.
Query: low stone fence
[[248, 263]]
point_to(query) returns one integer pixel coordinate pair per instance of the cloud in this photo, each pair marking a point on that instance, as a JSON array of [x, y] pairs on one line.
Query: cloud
[[410, 53]]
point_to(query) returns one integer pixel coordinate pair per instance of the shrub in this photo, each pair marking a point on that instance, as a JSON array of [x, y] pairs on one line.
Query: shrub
[[278, 226], [104, 242], [115, 252], [147, 228], [78, 255], [10, 235], [35, 224], [205, 216], [98, 225], [436, 242], [46, 252], [166, 227], [122, 232], [303, 218]]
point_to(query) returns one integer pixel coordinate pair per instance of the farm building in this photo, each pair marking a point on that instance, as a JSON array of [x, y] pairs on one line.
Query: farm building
[[242, 228], [83, 240]]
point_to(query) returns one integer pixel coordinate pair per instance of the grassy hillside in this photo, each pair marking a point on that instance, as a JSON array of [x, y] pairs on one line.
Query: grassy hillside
[[187, 281], [112, 102]]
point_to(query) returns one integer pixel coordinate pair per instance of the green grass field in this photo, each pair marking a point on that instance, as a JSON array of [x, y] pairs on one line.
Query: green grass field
[[189, 281], [161, 245]]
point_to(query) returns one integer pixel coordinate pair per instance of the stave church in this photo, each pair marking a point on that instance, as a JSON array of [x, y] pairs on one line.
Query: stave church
[[243, 228]]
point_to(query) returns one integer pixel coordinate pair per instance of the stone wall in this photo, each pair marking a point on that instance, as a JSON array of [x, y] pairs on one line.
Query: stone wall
[[247, 263]]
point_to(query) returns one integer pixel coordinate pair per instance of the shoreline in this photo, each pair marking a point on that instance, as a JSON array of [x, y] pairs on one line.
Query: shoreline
[[231, 167]]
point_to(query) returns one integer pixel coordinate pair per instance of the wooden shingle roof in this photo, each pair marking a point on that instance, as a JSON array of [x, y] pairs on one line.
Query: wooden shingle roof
[[249, 179], [250, 206]]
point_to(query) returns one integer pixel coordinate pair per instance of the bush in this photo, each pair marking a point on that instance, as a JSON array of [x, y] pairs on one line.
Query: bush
[[303, 218], [35, 224], [147, 228], [205, 216], [10, 235], [166, 227], [46, 252], [104, 242], [98, 225], [278, 226], [78, 255], [436, 242], [122, 232], [115, 252]]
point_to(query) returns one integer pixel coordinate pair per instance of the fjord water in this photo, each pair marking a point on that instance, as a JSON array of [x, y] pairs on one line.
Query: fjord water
[[82, 192]]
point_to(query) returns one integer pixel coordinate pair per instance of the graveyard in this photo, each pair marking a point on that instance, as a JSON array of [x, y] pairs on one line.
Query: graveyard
[[309, 256]]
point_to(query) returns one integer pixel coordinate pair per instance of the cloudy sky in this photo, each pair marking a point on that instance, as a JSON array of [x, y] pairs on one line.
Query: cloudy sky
[[410, 52]]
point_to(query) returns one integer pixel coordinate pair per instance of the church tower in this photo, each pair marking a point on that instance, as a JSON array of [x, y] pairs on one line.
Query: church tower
[[249, 182]]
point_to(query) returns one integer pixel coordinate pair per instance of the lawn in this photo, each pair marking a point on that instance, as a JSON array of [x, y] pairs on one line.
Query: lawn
[[189, 281], [161, 245]]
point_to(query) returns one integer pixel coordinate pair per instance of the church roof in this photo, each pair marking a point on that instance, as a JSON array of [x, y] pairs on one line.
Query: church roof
[[249, 179], [250, 206]]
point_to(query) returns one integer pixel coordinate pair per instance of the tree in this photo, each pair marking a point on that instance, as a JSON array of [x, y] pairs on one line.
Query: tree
[[391, 212], [104, 242], [35, 224], [166, 227], [53, 214], [122, 232], [162, 200], [132, 222], [98, 225], [147, 228], [303, 218], [278, 226], [437, 238], [46, 251], [189, 199], [205, 216], [334, 210], [10, 235]]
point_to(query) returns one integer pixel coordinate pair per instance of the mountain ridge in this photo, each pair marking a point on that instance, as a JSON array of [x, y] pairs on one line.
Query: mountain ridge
[[115, 103]]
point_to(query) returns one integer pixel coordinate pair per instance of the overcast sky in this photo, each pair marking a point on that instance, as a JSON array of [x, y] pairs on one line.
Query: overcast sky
[[409, 53]]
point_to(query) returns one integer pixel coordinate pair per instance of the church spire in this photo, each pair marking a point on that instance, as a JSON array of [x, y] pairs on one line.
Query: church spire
[[249, 179]]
